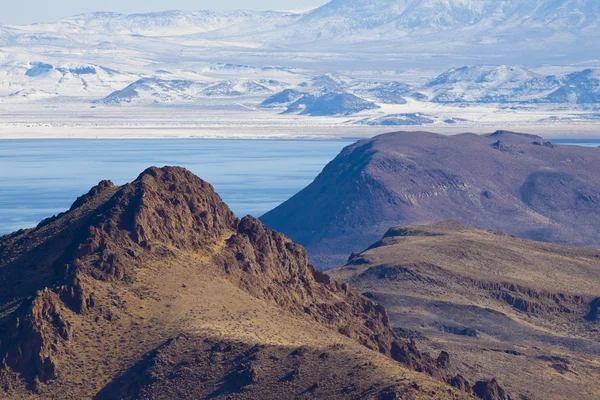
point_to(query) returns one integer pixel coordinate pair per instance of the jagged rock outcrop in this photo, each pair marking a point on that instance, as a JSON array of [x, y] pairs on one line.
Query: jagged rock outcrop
[[269, 265], [29, 336], [490, 390]]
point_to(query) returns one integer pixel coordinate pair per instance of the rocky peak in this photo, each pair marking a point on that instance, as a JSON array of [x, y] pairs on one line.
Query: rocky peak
[[107, 235], [172, 205], [168, 220], [101, 187]]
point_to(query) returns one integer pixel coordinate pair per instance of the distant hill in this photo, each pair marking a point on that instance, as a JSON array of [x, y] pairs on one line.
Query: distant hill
[[282, 99], [330, 104], [157, 90], [515, 183], [508, 305], [22, 79]]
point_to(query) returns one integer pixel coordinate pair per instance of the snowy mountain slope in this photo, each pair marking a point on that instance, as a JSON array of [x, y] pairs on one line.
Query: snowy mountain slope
[[356, 31], [338, 17], [509, 84], [282, 99], [6, 34], [501, 31], [168, 91], [241, 68], [577, 88], [66, 79], [154, 90], [391, 92], [330, 104], [411, 119], [243, 87], [478, 84], [168, 23], [343, 17], [327, 82], [349, 16]]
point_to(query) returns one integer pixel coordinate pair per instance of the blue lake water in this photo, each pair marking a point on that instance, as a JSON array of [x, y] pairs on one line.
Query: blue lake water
[[578, 142], [40, 178]]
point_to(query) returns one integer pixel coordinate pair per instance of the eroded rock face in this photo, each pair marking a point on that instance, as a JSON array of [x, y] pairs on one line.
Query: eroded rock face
[[490, 390], [28, 337]]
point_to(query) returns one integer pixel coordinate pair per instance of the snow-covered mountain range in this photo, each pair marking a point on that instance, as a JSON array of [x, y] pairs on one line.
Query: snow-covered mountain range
[[295, 91], [439, 15], [554, 28]]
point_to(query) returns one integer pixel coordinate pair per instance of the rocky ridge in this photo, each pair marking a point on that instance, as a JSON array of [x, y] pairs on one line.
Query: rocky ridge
[[141, 268]]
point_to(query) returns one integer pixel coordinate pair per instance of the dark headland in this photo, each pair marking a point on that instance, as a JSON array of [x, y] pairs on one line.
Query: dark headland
[[515, 183]]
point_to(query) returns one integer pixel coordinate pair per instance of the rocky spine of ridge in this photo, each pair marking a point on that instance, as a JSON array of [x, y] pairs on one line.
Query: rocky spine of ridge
[[270, 266], [109, 235]]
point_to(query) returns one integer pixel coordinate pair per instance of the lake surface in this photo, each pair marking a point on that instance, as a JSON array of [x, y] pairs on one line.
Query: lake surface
[[578, 142], [41, 178]]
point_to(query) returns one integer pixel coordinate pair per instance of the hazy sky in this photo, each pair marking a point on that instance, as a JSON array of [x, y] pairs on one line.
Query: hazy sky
[[25, 12]]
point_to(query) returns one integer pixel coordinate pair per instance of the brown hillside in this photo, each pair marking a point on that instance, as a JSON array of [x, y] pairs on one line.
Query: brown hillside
[[526, 312], [515, 183]]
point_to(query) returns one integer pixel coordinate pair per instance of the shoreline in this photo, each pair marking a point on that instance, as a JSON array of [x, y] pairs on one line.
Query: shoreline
[[329, 135]]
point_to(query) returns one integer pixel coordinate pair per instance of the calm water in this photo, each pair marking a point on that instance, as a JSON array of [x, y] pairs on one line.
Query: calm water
[[579, 142], [40, 178]]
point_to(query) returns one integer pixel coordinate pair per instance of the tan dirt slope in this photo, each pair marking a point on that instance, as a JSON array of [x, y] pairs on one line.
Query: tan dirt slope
[[526, 312]]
